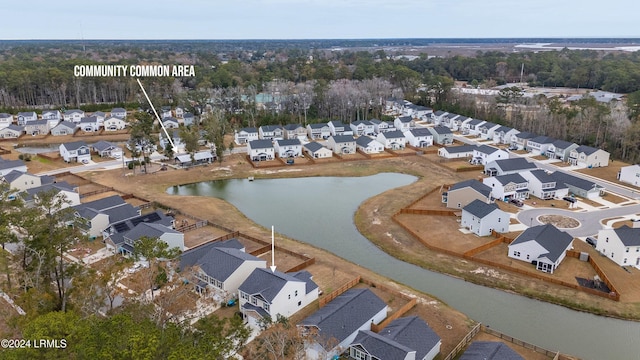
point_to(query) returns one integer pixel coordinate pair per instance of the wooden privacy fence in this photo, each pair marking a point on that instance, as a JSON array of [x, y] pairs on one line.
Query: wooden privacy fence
[[479, 249], [445, 186], [603, 277], [438, 212], [95, 192], [463, 343], [403, 310], [526, 345], [335, 293], [191, 227], [469, 168]]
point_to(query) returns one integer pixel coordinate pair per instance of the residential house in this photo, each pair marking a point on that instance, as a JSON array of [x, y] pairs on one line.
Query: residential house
[[544, 246], [114, 234], [448, 119], [24, 117], [73, 115], [630, 174], [7, 166], [89, 124], [441, 135], [5, 120], [472, 127], [543, 185], [484, 154], [369, 145], [489, 350], [244, 135], [456, 122], [37, 127], [66, 194], [508, 187], [107, 149], [180, 113], [503, 135], [578, 186], [318, 131], [76, 151], [295, 131], [267, 294], [220, 266], [463, 193], [363, 127], [317, 151], [404, 123], [261, 150], [419, 137], [342, 144], [519, 140], [188, 118], [98, 215], [382, 126], [560, 149], [288, 148], [481, 218], [438, 116], [178, 143], [119, 113], [417, 111], [539, 144], [336, 127], [621, 245], [170, 122], [337, 324], [171, 237], [270, 132], [508, 166], [394, 140], [199, 158], [165, 112], [114, 123], [588, 156], [52, 116], [100, 116], [404, 338], [455, 152], [64, 128], [21, 181], [11, 132], [487, 129]]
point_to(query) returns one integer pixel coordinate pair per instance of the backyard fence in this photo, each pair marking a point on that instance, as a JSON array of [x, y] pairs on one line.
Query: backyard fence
[[464, 342]]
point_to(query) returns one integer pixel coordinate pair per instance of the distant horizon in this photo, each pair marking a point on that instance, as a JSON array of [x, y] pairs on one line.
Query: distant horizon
[[343, 39]]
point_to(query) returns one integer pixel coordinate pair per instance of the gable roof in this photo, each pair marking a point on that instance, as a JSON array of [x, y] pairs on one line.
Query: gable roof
[[14, 174], [101, 204], [460, 149], [74, 145], [57, 187], [250, 130], [364, 141], [542, 140], [343, 138], [510, 178], [396, 134], [119, 110], [486, 149], [571, 180], [270, 128], [420, 132], [313, 146], [480, 208], [542, 176], [155, 217], [514, 164], [266, 283], [37, 122], [504, 129], [474, 184], [103, 145], [525, 135], [490, 350], [14, 127], [629, 236], [561, 144], [288, 142], [318, 126], [292, 127], [405, 119], [10, 164], [88, 120], [152, 230], [549, 237], [216, 260], [588, 150], [261, 144], [345, 314], [488, 125], [475, 122], [67, 124], [380, 347], [441, 130], [412, 332]]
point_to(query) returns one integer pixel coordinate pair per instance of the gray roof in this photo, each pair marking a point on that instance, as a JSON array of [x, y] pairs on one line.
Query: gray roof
[[561, 144], [188, 115], [5, 115], [27, 113], [156, 217], [152, 230], [504, 129], [480, 208], [549, 237], [628, 236], [420, 132], [460, 149], [73, 111], [288, 142], [10, 164], [67, 124], [488, 125], [89, 120], [489, 350], [345, 314], [525, 135], [121, 213], [336, 123], [103, 145], [364, 141], [13, 174], [270, 128], [570, 180], [261, 144], [474, 184], [99, 113], [313, 146], [475, 121], [586, 149], [439, 112], [216, 260], [57, 187], [250, 130], [405, 119], [15, 127], [317, 126], [442, 130], [511, 178], [170, 119], [363, 122], [266, 283], [486, 149], [396, 134], [514, 164], [542, 140], [343, 138], [74, 145], [102, 204], [118, 110], [305, 276], [37, 122], [291, 127], [412, 332], [542, 176], [380, 347]]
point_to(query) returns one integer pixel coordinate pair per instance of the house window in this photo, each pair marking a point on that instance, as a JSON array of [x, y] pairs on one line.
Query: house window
[[626, 250], [611, 254], [296, 293], [265, 306], [516, 253], [299, 303], [254, 301], [499, 219], [606, 240], [624, 261]]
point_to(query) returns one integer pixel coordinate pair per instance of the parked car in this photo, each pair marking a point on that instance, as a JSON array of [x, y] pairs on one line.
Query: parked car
[[85, 161], [591, 241], [516, 202], [570, 199]]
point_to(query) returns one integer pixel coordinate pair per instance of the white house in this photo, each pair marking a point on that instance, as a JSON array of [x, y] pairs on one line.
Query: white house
[[65, 193], [5, 120], [441, 135], [37, 127], [487, 129], [456, 123], [342, 144], [508, 187], [578, 186], [472, 127], [588, 156], [171, 237], [24, 117], [318, 131], [107, 149], [621, 245], [369, 145], [52, 116], [482, 218], [336, 127], [270, 132], [170, 122], [178, 143], [165, 112], [419, 137], [267, 293], [100, 214], [455, 152], [404, 123], [543, 246], [448, 119], [381, 126], [362, 127], [336, 325], [11, 132], [508, 166], [244, 135], [73, 115], [187, 118], [199, 158], [437, 116], [463, 193], [114, 123], [89, 124], [21, 181], [64, 128], [76, 151], [180, 112], [484, 154], [560, 149], [220, 266], [394, 140], [543, 185], [317, 151], [261, 150], [288, 148], [119, 113], [503, 135], [539, 144], [519, 140], [7, 166], [630, 174], [294, 131]]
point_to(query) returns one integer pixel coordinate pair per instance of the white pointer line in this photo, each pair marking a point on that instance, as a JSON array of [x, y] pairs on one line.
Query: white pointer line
[[157, 117], [273, 258]]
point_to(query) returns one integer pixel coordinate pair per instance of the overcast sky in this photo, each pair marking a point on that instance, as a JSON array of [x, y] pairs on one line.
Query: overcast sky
[[314, 19]]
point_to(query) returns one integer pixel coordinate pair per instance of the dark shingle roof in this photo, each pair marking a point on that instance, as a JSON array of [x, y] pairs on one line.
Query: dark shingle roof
[[460, 149], [511, 178], [261, 144], [292, 127], [488, 125], [345, 314], [102, 204], [103, 145], [420, 132], [74, 145], [475, 121], [474, 184], [441, 130], [504, 129], [397, 134], [439, 112], [628, 236], [266, 283], [89, 120], [343, 139], [313, 146], [59, 186], [514, 164], [490, 350], [412, 332], [542, 176], [288, 142], [67, 124], [9, 164], [525, 135], [250, 130], [380, 347], [317, 126], [216, 260], [561, 144], [486, 149], [15, 127], [570, 180], [13, 174], [542, 140], [586, 149], [405, 119], [364, 141], [480, 208], [149, 230], [549, 237]]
